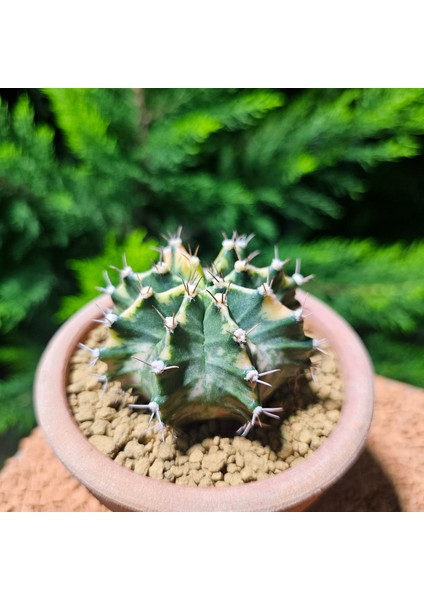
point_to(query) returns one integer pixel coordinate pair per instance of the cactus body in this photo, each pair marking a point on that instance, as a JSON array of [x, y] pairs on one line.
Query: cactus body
[[199, 343]]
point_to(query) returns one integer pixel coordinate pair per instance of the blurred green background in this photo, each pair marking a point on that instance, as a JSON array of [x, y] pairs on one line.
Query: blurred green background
[[334, 176]]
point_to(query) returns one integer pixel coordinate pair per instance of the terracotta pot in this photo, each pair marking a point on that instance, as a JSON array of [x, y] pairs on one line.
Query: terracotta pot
[[122, 489]]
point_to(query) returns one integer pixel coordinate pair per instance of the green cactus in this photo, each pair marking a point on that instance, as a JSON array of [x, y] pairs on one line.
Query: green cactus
[[199, 343]]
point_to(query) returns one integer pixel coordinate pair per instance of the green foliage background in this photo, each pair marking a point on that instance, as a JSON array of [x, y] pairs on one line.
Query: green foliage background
[[334, 176]]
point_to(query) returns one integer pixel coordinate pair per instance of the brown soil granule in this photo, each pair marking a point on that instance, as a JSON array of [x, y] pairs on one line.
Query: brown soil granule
[[207, 453]]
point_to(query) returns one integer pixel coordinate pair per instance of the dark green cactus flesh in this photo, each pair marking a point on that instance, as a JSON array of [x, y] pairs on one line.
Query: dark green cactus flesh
[[199, 343]]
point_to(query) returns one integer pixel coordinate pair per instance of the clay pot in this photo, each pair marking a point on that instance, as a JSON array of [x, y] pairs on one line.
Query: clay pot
[[122, 489]]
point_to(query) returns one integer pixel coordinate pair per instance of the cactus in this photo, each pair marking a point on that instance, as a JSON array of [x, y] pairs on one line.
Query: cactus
[[200, 343]]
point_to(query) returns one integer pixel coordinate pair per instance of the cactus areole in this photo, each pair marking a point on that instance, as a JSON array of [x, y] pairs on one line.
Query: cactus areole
[[202, 343]]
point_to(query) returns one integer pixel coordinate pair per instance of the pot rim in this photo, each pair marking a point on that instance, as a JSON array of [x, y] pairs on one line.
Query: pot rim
[[122, 489]]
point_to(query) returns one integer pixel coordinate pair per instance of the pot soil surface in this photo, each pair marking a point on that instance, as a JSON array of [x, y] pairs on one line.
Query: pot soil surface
[[203, 454]]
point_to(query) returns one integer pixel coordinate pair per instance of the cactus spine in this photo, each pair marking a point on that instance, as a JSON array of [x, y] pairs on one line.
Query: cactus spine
[[199, 343]]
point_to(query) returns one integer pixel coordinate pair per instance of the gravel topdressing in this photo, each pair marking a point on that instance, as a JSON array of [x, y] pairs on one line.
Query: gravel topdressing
[[203, 454]]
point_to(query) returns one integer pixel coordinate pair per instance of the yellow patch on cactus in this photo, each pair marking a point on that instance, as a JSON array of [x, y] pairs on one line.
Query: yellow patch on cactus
[[273, 310]]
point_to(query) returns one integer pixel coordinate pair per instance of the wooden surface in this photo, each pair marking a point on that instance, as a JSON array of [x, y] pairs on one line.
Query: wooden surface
[[388, 476]]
